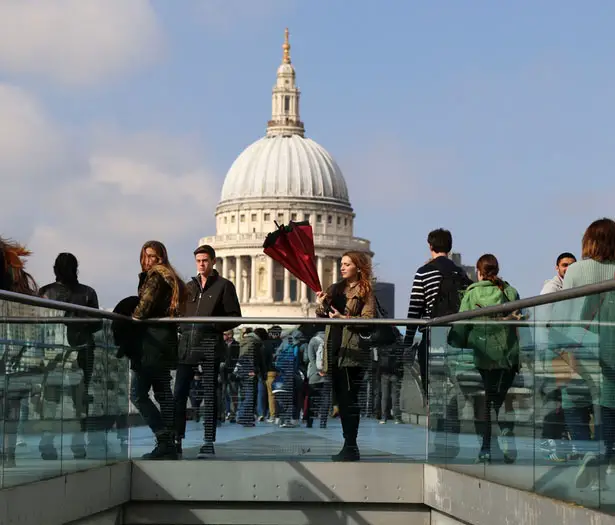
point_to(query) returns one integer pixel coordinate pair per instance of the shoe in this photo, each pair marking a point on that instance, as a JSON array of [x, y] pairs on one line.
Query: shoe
[[398, 421], [507, 444], [484, 456], [347, 454], [178, 447], [382, 422], [261, 419], [206, 451], [164, 449], [586, 473], [48, 452], [21, 443]]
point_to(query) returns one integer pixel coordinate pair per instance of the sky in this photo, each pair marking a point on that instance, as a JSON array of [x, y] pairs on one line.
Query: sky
[[120, 118]]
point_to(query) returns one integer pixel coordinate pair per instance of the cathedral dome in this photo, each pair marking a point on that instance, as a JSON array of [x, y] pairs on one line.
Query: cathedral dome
[[285, 166]]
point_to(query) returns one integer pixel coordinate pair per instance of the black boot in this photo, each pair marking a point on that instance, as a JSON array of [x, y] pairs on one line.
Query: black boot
[[165, 447], [349, 452]]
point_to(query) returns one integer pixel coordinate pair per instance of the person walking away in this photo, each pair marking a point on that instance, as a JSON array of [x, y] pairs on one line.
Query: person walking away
[[247, 372], [317, 405], [161, 294], [496, 353], [597, 313], [265, 363], [231, 385], [551, 445], [209, 295], [391, 371], [436, 291], [80, 339], [285, 384], [352, 297]]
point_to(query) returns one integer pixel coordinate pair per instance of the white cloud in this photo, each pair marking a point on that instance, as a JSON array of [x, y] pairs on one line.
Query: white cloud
[[77, 41], [102, 198], [124, 199]]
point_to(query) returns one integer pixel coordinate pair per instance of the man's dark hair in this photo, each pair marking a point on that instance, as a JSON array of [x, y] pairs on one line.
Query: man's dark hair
[[565, 255], [66, 268], [261, 333], [205, 248], [440, 240]]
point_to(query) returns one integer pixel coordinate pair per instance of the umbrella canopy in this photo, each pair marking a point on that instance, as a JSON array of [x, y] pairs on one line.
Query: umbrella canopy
[[293, 247]]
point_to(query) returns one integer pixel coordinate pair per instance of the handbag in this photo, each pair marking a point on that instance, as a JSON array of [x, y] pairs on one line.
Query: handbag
[[379, 334]]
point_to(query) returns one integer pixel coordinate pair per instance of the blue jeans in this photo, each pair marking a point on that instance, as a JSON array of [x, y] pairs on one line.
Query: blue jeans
[[245, 414]]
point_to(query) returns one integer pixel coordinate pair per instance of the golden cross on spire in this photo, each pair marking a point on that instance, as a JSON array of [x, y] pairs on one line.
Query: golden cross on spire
[[286, 48]]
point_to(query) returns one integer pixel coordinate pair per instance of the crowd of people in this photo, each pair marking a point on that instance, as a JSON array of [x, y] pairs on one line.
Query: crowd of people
[[317, 371]]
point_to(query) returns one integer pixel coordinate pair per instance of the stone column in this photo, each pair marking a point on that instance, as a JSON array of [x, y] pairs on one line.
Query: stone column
[[304, 293], [319, 269], [270, 279], [225, 266], [286, 286], [253, 275], [238, 277], [245, 288], [336, 269]]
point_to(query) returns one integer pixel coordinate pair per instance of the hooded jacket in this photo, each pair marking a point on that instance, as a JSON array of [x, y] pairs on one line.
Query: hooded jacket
[[494, 345], [552, 285]]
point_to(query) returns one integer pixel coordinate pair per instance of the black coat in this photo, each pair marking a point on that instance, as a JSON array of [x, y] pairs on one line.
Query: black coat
[[217, 299]]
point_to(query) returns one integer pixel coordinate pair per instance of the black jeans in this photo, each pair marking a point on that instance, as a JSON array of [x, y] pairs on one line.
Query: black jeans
[[346, 385], [496, 382], [183, 380], [158, 380]]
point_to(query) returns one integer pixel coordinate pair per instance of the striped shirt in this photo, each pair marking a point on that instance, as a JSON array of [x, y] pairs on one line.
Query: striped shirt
[[425, 289]]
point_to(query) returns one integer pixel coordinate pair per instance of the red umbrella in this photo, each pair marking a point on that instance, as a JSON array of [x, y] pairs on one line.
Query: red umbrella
[[293, 247]]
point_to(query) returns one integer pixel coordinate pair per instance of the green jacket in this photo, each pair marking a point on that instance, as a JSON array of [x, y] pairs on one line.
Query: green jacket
[[494, 345]]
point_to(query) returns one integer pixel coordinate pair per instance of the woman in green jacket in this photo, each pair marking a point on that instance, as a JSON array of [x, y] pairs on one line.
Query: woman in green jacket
[[496, 351]]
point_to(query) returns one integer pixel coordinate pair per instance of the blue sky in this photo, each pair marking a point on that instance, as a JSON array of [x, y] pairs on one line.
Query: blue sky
[[493, 120]]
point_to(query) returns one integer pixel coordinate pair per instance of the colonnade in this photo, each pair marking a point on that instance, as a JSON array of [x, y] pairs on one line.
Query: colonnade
[[242, 270]]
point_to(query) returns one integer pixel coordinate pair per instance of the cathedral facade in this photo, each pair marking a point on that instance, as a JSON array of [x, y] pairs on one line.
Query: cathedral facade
[[282, 177]]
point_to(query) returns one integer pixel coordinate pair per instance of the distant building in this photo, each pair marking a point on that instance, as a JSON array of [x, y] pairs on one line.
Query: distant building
[[282, 177], [470, 270], [385, 292]]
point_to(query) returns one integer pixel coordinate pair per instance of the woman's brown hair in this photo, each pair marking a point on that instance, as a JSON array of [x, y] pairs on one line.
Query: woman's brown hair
[[363, 262], [599, 241], [489, 268], [179, 295], [14, 277]]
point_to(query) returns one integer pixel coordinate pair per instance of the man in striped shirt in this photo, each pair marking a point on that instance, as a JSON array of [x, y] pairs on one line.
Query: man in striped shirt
[[426, 288]]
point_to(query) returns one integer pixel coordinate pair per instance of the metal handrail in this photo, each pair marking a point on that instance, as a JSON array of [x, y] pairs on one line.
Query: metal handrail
[[521, 304], [33, 300], [572, 293]]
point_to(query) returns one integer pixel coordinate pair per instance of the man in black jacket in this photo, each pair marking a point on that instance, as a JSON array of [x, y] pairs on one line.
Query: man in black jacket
[[209, 295]]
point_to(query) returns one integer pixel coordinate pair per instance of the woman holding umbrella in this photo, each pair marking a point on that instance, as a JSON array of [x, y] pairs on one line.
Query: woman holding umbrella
[[352, 297]]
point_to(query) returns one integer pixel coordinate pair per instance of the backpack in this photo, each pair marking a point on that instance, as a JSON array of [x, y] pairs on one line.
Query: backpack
[[453, 284]]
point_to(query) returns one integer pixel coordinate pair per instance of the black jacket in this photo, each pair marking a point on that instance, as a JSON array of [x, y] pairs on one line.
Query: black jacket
[[77, 334], [217, 299]]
